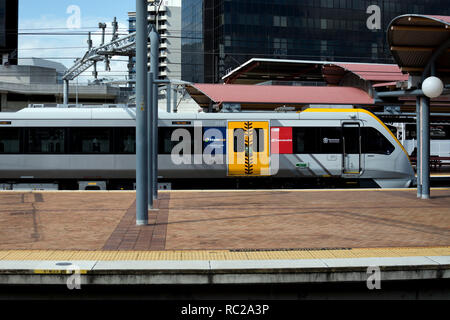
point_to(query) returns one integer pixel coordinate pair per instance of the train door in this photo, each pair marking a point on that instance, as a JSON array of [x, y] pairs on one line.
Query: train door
[[248, 148], [352, 161]]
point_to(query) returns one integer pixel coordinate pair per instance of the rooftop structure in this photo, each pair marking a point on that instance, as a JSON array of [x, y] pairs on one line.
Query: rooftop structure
[[167, 16]]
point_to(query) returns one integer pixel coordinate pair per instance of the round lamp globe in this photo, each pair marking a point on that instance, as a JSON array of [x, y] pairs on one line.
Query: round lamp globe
[[432, 87]]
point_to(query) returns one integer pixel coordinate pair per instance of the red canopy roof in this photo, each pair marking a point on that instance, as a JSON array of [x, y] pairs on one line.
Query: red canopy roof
[[375, 72], [254, 94], [446, 19]]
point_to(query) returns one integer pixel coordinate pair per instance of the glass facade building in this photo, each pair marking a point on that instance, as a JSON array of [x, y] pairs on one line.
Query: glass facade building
[[219, 35], [192, 45], [8, 31]]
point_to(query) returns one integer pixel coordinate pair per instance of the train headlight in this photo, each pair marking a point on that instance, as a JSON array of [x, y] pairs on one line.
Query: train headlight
[[432, 87]]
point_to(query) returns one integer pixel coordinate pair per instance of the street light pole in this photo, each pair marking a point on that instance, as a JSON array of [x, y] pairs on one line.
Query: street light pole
[[141, 114], [154, 68]]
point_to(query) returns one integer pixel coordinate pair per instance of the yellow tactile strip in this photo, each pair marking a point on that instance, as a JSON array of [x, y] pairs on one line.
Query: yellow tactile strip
[[57, 255]]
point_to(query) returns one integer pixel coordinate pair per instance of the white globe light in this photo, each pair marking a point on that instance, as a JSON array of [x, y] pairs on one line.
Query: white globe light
[[432, 87]]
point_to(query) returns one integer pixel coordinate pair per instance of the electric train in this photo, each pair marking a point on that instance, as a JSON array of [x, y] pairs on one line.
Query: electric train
[[95, 148]]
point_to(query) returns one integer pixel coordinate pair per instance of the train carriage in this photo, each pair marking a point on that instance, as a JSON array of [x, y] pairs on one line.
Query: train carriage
[[74, 145]]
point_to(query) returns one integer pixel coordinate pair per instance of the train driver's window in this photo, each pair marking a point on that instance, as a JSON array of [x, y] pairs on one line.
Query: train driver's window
[[375, 142], [9, 140]]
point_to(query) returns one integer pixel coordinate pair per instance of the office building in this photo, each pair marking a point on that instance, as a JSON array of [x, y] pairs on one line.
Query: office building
[[8, 31], [166, 15], [219, 35]]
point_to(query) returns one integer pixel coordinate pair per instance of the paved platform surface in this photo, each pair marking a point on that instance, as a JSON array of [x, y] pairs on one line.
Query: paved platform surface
[[242, 221]]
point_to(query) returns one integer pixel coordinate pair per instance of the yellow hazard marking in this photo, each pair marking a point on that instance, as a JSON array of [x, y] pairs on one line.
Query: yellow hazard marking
[[182, 255], [69, 271]]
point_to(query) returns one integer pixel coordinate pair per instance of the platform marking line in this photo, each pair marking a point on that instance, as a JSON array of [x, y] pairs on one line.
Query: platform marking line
[[61, 255]]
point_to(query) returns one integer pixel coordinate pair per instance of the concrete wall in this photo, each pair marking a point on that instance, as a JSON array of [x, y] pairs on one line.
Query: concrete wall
[[27, 75], [14, 96]]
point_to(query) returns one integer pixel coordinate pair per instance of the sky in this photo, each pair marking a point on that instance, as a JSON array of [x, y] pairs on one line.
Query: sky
[[68, 17]]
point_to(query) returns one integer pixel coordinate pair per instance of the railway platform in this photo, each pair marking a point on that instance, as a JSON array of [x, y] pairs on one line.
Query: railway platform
[[225, 237]]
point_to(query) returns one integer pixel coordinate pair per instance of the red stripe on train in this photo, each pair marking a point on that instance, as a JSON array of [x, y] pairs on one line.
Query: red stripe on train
[[281, 140]]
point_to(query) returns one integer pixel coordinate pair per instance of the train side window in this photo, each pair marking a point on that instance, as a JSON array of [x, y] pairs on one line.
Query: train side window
[[410, 131], [439, 132], [165, 139], [375, 142], [239, 140], [90, 140], [45, 140], [331, 140], [9, 140], [351, 136], [165, 142], [305, 140], [258, 140], [125, 140]]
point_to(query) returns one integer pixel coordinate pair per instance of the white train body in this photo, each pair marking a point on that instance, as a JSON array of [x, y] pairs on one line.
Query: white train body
[[51, 144]]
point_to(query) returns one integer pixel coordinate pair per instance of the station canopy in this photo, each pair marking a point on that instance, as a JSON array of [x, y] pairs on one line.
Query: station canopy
[[258, 70], [413, 39], [259, 97]]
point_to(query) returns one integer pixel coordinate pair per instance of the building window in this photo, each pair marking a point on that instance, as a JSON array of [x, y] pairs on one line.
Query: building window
[[276, 21], [280, 46], [227, 41], [280, 21]]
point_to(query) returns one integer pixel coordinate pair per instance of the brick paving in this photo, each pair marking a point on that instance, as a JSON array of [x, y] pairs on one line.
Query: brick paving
[[128, 236], [317, 219], [65, 220], [224, 220]]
